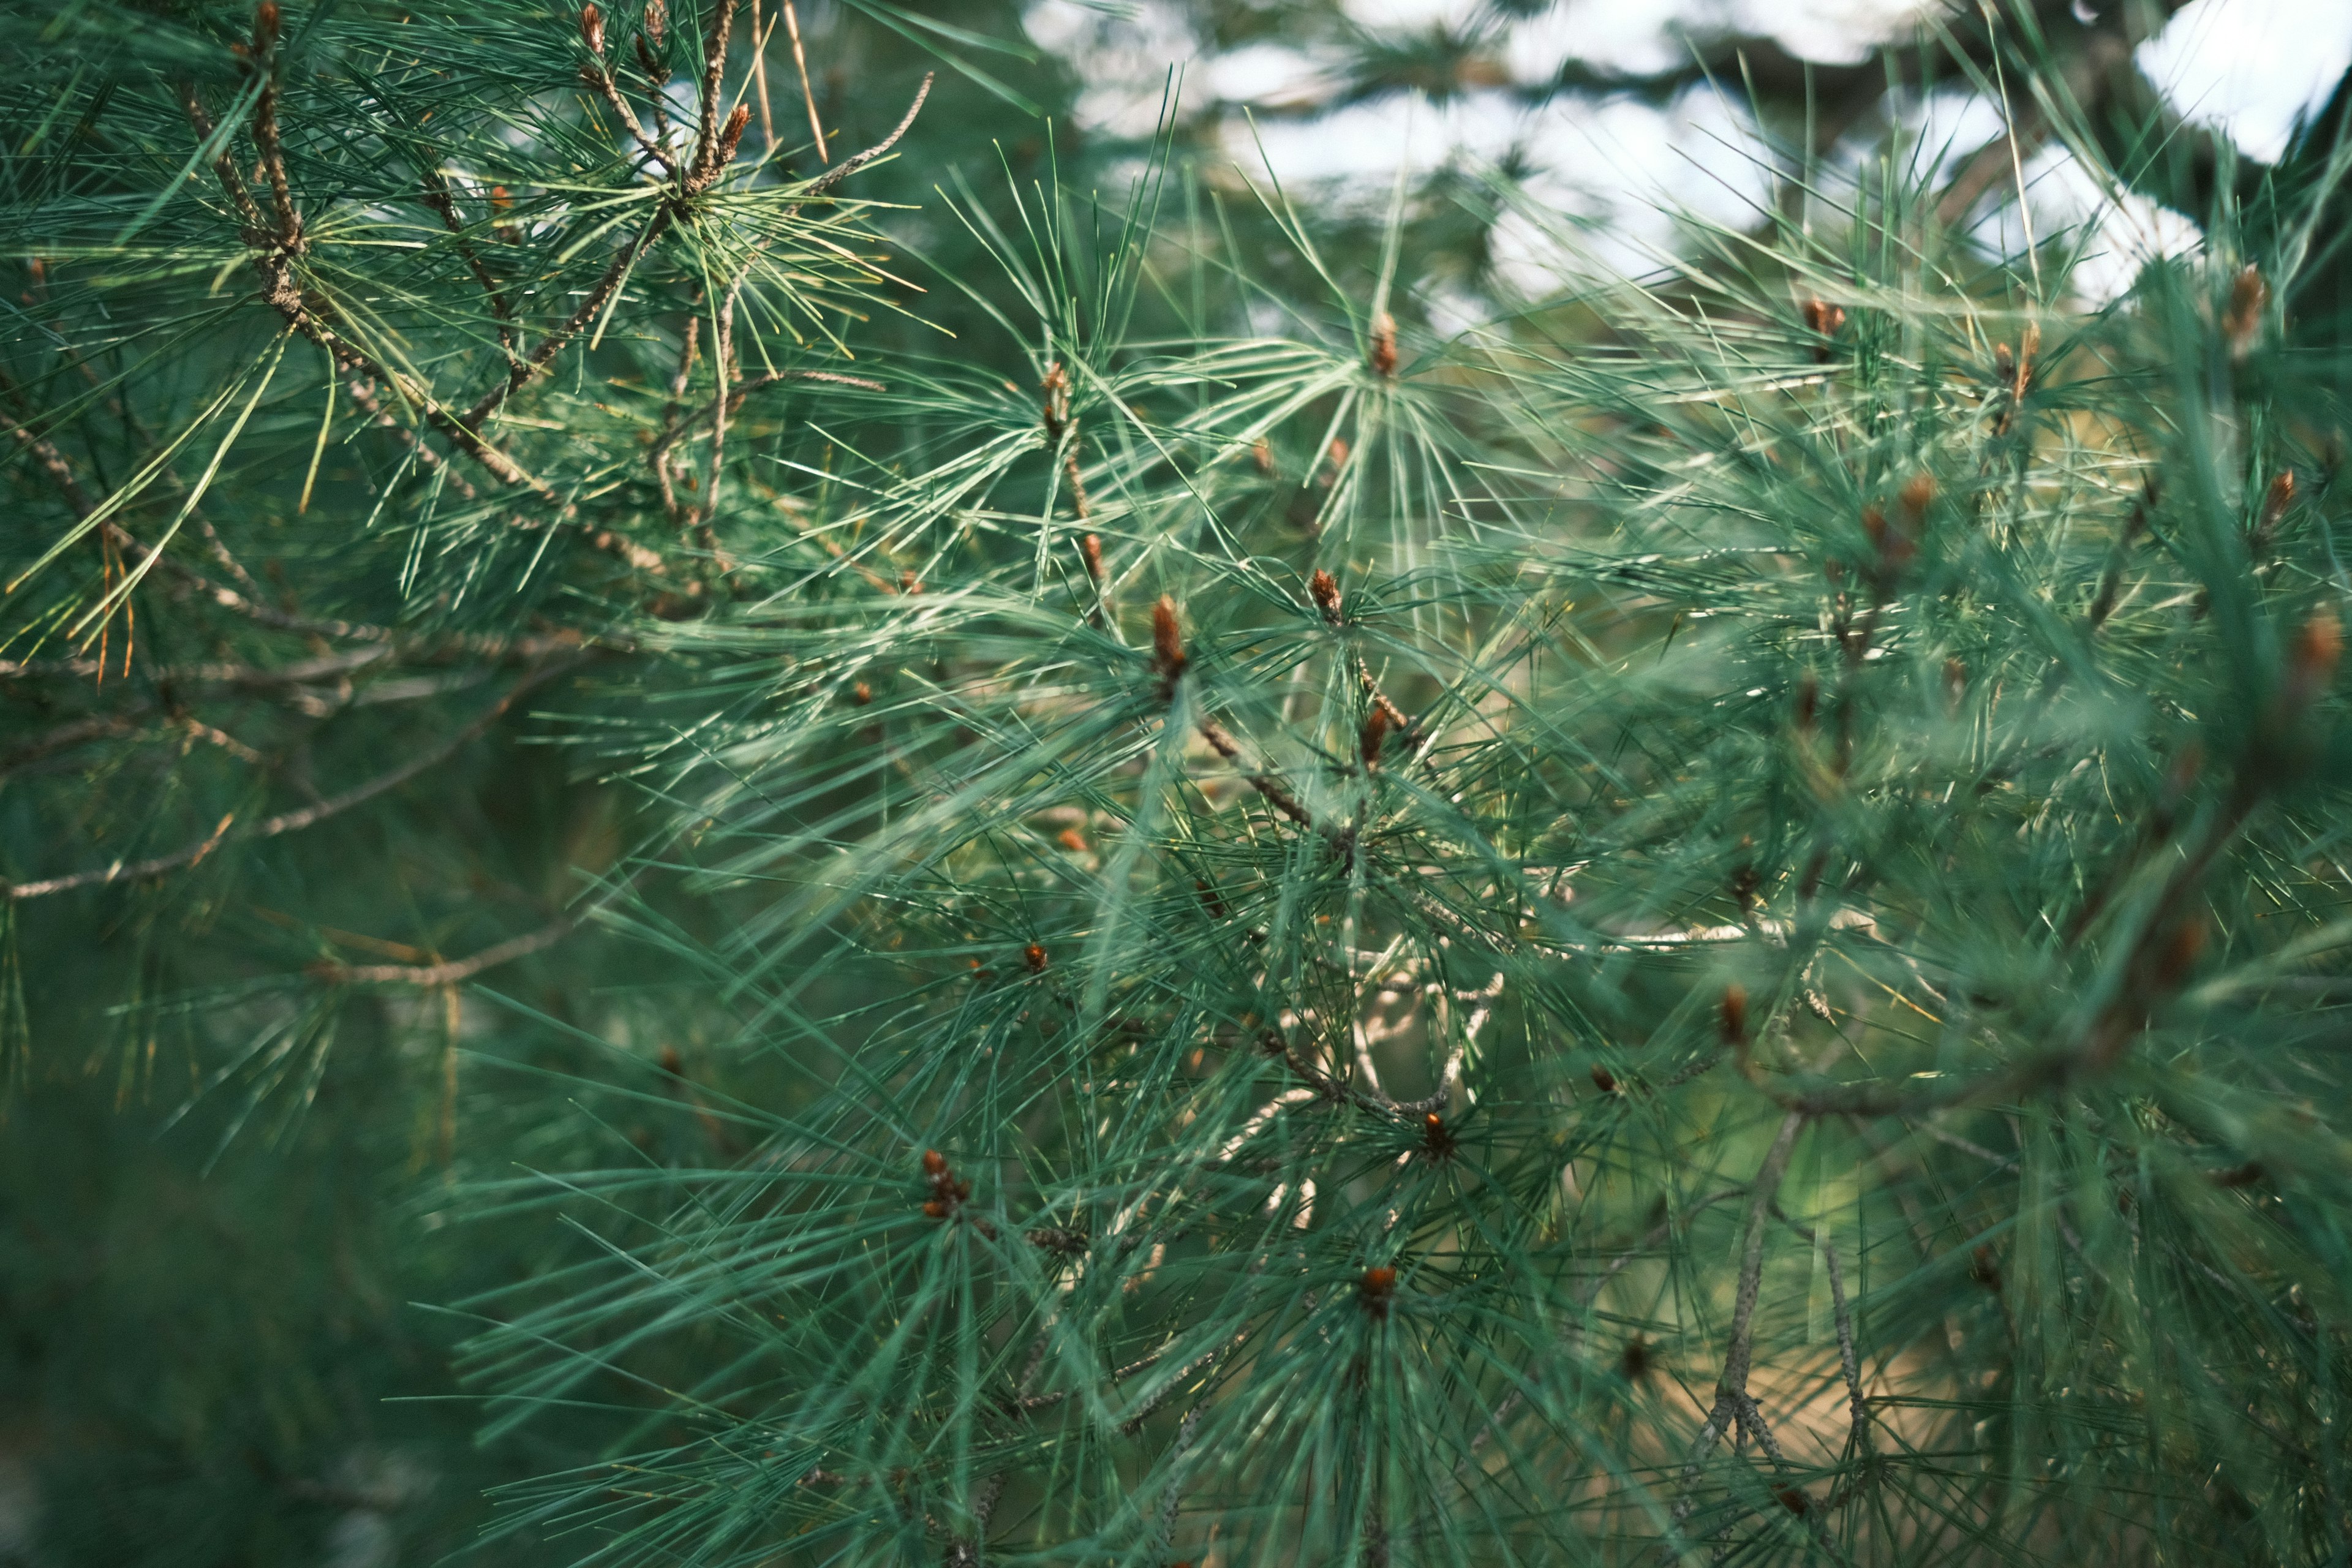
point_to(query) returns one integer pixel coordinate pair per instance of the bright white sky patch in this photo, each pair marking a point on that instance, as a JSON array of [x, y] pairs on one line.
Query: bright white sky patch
[[2251, 68]]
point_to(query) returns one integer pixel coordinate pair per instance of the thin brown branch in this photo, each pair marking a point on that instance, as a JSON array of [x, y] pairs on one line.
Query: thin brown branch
[[291, 821], [590, 309], [599, 77], [438, 197], [1732, 1406], [851, 164], [1281, 799], [453, 973]]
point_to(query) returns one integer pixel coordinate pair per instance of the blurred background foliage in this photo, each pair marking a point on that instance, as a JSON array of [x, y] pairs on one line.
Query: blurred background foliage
[[252, 1063]]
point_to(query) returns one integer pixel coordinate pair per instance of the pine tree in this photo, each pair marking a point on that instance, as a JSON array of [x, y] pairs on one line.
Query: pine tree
[[1132, 908]]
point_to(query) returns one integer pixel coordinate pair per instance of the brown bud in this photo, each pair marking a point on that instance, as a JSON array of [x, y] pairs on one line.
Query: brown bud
[[1262, 453], [1090, 552], [657, 72], [910, 583], [1916, 496], [1385, 345], [934, 1162], [2178, 955], [1956, 684], [2029, 343], [657, 19], [1338, 454], [1167, 640], [1376, 1289], [2311, 662], [861, 694], [1604, 1079], [1056, 409], [1374, 734], [1984, 1269], [2280, 497], [1793, 1498], [934, 1208], [731, 132], [2275, 502], [1214, 905], [2004, 363], [265, 23], [1034, 957], [1633, 1364], [1436, 1138], [1823, 317], [1325, 589], [1071, 839], [1731, 1014], [672, 1063], [1893, 542], [591, 30], [2243, 319]]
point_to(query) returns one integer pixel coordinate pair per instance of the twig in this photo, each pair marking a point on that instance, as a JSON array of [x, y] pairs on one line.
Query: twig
[[1266, 784], [452, 973], [1732, 1406], [291, 821], [850, 165], [438, 198], [590, 308]]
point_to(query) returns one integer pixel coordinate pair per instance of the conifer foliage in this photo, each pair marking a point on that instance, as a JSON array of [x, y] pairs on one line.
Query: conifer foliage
[[1700, 924]]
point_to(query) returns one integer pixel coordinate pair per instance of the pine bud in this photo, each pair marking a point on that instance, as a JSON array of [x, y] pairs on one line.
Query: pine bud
[[732, 133], [861, 694], [934, 1162], [1604, 1079], [1385, 345], [1325, 589], [656, 20], [907, 582], [1376, 1289], [591, 30], [1056, 408], [1167, 640], [1731, 1014], [2311, 662], [2243, 319], [1893, 544], [2179, 953], [2004, 363], [1633, 1363], [1374, 734], [1436, 1138], [1823, 320], [1034, 956], [1090, 552], [1917, 496], [265, 26], [1338, 452], [1262, 453]]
